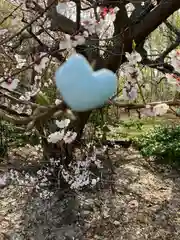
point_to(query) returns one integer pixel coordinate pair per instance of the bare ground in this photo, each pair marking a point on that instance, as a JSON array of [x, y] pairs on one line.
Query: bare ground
[[145, 205]]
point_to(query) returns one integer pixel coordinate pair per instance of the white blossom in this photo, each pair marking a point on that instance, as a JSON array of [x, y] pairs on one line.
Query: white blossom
[[58, 101], [39, 67], [63, 123], [131, 72], [85, 34], [90, 26], [79, 173], [128, 68], [134, 57], [61, 7], [26, 96], [173, 80], [160, 109], [176, 64], [94, 181], [3, 180], [175, 59], [66, 43], [20, 61], [10, 84], [56, 136], [80, 39], [130, 91]]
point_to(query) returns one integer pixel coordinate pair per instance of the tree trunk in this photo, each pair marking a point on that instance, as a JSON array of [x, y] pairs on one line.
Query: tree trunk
[[126, 30], [63, 151]]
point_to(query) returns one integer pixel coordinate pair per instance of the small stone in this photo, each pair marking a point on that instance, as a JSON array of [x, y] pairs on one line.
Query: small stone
[[142, 218], [3, 181], [133, 204], [86, 213], [116, 223]]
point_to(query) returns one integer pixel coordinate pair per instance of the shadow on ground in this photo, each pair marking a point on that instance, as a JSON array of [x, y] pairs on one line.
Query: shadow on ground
[[145, 205]]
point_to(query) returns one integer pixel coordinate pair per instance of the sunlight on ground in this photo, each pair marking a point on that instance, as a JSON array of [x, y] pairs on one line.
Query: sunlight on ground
[[132, 127]]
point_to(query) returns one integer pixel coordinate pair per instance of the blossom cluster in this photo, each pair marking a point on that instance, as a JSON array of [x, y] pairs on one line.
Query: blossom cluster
[[132, 74], [134, 82], [79, 174], [57, 136], [100, 24]]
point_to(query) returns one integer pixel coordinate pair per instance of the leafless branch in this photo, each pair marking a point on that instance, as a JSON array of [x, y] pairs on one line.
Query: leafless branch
[[139, 106], [26, 26]]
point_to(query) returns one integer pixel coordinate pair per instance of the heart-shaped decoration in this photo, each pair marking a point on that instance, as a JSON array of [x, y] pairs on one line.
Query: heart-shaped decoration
[[82, 88]]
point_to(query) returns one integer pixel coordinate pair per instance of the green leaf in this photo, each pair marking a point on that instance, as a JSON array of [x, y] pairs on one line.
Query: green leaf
[[42, 99], [162, 143], [133, 45]]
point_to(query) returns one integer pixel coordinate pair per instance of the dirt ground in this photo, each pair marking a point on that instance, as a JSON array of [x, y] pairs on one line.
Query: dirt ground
[[145, 205]]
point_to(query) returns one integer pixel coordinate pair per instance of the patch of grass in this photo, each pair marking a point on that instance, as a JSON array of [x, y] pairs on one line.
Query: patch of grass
[[132, 128]]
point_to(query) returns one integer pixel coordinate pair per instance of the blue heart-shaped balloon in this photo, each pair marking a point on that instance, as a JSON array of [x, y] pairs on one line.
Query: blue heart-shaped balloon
[[81, 88]]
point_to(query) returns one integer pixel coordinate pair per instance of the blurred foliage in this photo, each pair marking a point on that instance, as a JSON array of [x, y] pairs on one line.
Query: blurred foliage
[[14, 137], [133, 123], [100, 120], [42, 99], [129, 128], [162, 143], [48, 90], [3, 140], [118, 125]]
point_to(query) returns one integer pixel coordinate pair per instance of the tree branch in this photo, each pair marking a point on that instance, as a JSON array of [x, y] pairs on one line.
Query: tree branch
[[140, 31], [18, 119], [78, 14], [162, 67], [152, 20], [138, 106], [60, 22], [169, 49], [27, 25], [172, 28]]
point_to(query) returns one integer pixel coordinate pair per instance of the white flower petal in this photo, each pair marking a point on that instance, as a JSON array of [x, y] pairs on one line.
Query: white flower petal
[[56, 136], [10, 86], [58, 101], [63, 123], [160, 109], [61, 8]]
